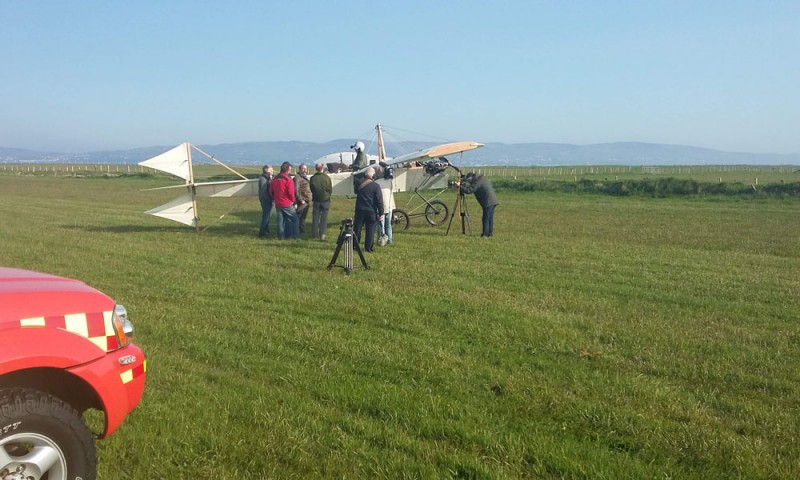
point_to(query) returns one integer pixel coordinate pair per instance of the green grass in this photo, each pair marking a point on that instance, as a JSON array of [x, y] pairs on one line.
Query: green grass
[[593, 337]]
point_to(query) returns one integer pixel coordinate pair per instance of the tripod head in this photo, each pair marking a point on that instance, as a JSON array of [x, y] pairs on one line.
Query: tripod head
[[347, 226]]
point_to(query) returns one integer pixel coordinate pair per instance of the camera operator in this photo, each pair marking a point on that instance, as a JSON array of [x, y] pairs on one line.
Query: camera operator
[[369, 209], [484, 193]]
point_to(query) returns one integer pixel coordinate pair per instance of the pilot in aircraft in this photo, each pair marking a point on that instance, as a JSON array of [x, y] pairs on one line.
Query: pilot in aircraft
[[358, 163]]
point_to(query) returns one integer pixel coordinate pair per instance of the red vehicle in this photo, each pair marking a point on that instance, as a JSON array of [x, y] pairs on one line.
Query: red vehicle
[[64, 348]]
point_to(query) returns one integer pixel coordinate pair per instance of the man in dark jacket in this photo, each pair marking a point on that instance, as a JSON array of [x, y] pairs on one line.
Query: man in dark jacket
[[321, 190], [302, 190], [266, 199], [369, 209], [484, 194]]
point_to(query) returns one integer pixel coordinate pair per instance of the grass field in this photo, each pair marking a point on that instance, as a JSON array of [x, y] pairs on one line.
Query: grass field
[[592, 337]]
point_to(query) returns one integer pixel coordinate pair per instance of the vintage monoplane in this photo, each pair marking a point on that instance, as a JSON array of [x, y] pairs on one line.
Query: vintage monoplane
[[419, 170]]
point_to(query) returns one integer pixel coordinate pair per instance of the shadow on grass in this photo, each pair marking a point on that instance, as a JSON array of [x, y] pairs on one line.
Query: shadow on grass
[[226, 231], [128, 228]]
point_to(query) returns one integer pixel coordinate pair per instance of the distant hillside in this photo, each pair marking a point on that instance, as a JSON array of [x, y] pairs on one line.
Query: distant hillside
[[518, 154], [625, 153]]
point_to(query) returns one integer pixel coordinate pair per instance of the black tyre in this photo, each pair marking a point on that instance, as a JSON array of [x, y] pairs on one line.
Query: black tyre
[[42, 437], [400, 219], [436, 212]]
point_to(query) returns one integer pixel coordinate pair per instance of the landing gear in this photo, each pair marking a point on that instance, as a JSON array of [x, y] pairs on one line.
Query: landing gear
[[400, 220], [436, 212]]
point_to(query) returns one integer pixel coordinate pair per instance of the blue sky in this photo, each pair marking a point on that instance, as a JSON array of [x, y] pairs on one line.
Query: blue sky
[[92, 75]]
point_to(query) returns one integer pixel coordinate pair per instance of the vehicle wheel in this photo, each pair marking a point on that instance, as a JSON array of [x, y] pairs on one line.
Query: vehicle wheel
[[42, 437], [400, 219], [436, 212]]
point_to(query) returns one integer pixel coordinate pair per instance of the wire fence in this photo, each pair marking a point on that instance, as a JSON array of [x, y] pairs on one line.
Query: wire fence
[[564, 171], [75, 169], [513, 172]]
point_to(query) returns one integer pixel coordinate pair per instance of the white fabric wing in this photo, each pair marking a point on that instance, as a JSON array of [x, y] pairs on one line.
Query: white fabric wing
[[175, 161], [180, 210]]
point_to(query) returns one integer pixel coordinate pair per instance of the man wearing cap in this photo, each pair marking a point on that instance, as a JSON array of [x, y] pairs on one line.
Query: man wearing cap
[[484, 194], [369, 209], [281, 188], [321, 190]]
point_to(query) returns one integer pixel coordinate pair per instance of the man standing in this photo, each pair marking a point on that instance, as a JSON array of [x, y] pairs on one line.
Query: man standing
[[386, 221], [302, 190], [484, 193], [369, 209], [266, 199], [281, 188], [321, 190]]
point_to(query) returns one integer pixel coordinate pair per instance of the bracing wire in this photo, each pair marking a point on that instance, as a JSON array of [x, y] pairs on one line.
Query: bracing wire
[[223, 215], [399, 145], [432, 137]]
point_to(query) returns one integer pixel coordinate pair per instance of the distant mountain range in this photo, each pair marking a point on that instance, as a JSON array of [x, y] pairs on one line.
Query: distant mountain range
[[517, 154]]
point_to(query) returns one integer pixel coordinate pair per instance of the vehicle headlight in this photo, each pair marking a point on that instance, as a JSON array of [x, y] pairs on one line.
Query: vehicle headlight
[[122, 326]]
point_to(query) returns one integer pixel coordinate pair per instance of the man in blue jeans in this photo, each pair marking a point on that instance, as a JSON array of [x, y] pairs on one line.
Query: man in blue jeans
[[281, 188], [484, 194], [385, 230]]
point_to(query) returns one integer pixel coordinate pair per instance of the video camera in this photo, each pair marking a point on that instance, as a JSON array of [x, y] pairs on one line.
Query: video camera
[[461, 178], [347, 223]]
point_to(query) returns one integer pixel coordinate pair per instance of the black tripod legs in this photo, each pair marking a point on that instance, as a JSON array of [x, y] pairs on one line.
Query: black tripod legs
[[361, 256], [345, 243], [339, 244], [461, 208]]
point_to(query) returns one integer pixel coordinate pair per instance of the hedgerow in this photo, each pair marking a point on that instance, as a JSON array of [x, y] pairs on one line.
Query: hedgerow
[[662, 187]]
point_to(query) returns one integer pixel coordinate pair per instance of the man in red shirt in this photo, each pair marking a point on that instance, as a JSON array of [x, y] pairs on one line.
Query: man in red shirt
[[281, 188]]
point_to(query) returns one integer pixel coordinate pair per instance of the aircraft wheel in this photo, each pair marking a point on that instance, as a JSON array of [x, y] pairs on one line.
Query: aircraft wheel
[[400, 219], [436, 213]]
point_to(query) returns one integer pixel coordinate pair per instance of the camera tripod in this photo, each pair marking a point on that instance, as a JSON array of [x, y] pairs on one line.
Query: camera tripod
[[461, 208], [346, 237]]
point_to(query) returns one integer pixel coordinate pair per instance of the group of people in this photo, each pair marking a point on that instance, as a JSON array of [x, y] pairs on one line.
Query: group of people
[[292, 198]]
